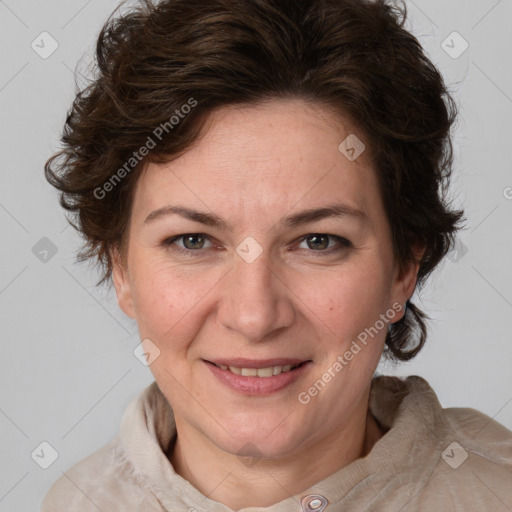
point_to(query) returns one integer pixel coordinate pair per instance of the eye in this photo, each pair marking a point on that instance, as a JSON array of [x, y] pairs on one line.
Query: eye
[[321, 242], [189, 242], [316, 242]]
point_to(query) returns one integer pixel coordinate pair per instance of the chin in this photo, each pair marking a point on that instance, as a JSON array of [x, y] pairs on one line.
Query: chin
[[273, 441]]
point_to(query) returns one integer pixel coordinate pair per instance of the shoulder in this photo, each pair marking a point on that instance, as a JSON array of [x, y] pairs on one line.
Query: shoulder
[[482, 437], [456, 458], [474, 468], [107, 480], [390, 396], [478, 434], [102, 481]]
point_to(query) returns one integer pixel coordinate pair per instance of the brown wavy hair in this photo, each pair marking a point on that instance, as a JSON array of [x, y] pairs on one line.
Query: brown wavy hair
[[353, 55]]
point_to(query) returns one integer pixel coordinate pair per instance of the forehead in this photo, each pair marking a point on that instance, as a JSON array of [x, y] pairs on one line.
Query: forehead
[[266, 157]]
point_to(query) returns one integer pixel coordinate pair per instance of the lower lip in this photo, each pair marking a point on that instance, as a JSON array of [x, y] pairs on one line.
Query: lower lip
[[257, 385]]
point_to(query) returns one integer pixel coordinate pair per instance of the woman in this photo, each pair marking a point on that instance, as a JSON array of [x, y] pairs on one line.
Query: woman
[[263, 182]]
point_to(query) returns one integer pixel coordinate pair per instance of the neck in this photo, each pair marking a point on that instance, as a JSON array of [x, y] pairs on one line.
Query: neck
[[222, 477]]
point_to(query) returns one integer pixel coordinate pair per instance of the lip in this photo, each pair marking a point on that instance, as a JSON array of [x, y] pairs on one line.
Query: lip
[[240, 362], [258, 386]]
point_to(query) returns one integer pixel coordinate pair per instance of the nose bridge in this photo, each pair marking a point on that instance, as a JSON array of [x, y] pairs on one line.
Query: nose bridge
[[254, 269], [255, 301]]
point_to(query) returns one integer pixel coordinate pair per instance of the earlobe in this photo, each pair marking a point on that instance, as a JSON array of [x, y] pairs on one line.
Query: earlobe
[[122, 284]]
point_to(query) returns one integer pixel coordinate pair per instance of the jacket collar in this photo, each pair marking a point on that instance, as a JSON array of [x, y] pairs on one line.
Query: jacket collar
[[408, 408]]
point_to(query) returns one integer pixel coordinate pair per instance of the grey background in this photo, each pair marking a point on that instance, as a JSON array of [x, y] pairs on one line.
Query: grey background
[[67, 369]]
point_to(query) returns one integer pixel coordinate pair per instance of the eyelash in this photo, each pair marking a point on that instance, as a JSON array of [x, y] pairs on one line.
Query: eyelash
[[343, 243]]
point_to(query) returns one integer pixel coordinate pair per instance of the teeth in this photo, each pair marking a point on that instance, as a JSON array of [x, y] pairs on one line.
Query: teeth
[[249, 372], [259, 372], [264, 372]]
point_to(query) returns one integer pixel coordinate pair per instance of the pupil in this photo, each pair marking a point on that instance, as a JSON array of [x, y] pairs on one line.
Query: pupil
[[319, 241], [193, 241]]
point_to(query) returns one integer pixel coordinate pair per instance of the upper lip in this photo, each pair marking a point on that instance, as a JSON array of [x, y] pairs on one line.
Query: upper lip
[[241, 362]]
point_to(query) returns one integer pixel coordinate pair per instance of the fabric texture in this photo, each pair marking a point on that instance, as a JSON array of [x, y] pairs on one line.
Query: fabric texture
[[430, 459]]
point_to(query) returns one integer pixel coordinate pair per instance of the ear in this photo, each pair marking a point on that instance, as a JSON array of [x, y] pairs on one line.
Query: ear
[[122, 283], [405, 278]]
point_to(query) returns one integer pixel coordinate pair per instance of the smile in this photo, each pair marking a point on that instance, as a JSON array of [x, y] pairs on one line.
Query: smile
[[250, 377], [269, 371]]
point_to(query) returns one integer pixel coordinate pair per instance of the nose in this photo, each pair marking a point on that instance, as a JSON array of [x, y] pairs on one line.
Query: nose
[[256, 299]]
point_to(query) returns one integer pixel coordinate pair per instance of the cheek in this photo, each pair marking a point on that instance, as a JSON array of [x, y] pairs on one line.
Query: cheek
[[167, 300], [348, 300]]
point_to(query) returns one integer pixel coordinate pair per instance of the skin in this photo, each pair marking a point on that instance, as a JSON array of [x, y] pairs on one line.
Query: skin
[[254, 166]]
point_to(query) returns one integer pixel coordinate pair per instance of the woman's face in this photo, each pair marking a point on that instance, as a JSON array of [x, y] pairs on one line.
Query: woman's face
[[287, 259]]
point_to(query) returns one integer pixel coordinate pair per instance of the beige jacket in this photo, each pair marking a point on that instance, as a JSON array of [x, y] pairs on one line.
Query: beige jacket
[[431, 460]]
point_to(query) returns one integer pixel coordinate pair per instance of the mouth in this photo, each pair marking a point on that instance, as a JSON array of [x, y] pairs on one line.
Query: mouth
[[260, 371], [263, 377]]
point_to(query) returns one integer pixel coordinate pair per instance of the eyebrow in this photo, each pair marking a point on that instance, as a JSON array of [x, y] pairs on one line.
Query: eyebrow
[[204, 218], [297, 219]]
